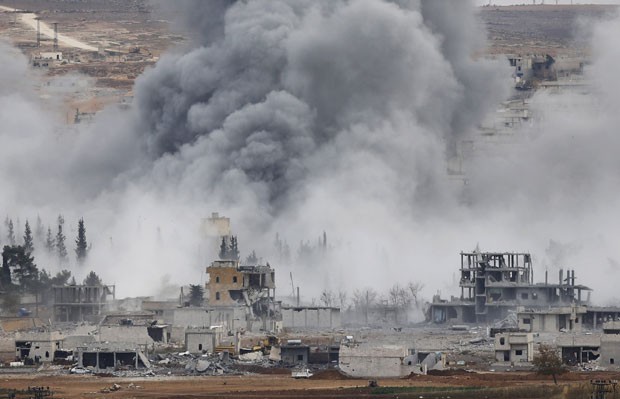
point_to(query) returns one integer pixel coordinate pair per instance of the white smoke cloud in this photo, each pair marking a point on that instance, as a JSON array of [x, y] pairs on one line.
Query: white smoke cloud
[[306, 117]]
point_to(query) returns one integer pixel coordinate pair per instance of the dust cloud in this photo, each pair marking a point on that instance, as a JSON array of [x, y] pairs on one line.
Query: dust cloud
[[303, 117]]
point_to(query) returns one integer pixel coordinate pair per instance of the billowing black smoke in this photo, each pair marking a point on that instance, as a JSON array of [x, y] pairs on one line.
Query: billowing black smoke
[[272, 88]]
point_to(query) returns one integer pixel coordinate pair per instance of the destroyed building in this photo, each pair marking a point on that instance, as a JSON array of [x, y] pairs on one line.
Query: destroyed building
[[252, 287], [100, 356], [39, 346], [136, 328], [366, 360], [76, 303], [493, 283]]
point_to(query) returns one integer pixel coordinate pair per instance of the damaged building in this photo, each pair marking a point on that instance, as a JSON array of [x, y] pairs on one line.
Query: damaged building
[[494, 283], [365, 360], [77, 303], [552, 319], [108, 357], [39, 346], [252, 287], [135, 328]]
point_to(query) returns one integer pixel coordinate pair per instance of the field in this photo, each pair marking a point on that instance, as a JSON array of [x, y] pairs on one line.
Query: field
[[327, 384]]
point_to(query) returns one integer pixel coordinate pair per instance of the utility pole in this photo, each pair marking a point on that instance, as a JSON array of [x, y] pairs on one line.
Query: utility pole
[[55, 36], [38, 32]]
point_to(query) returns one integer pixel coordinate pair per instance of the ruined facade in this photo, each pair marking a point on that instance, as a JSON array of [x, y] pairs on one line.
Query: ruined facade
[[492, 283], [74, 303], [231, 284]]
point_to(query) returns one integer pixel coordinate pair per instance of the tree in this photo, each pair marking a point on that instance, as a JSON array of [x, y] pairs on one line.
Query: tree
[[50, 244], [61, 250], [327, 298], [548, 362], [196, 294], [252, 259], [61, 278], [81, 246], [10, 234], [39, 230], [92, 280], [223, 249], [28, 242], [234, 249], [363, 300], [18, 266]]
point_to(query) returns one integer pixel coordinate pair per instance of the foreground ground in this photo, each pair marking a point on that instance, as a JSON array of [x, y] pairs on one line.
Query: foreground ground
[[328, 384]]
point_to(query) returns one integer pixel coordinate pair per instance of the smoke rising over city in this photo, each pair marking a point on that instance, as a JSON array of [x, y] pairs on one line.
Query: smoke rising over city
[[302, 117]]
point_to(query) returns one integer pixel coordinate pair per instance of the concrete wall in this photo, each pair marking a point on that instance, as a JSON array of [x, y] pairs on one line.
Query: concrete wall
[[43, 344], [230, 318], [128, 334], [73, 341], [295, 355], [41, 350], [514, 347], [198, 341], [610, 351], [375, 362], [551, 321], [311, 317]]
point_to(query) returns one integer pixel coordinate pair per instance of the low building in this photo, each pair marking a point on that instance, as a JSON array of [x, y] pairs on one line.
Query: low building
[[37, 346], [610, 351], [295, 353], [111, 356], [135, 328], [203, 340], [371, 361], [579, 348], [514, 347], [563, 318], [231, 318]]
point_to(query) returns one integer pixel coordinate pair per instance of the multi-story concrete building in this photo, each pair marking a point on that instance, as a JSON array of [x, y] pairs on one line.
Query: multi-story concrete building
[[492, 283]]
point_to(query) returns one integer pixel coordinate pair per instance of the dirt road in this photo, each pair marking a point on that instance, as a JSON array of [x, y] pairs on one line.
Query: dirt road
[[30, 20]]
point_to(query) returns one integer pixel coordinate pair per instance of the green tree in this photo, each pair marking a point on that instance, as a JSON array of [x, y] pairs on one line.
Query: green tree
[[18, 266], [548, 362], [50, 243], [92, 280], [196, 294], [81, 246], [61, 250], [28, 241]]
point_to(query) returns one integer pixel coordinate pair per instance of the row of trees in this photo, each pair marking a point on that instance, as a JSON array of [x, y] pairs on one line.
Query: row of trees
[[398, 296], [20, 275], [54, 243], [229, 250]]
